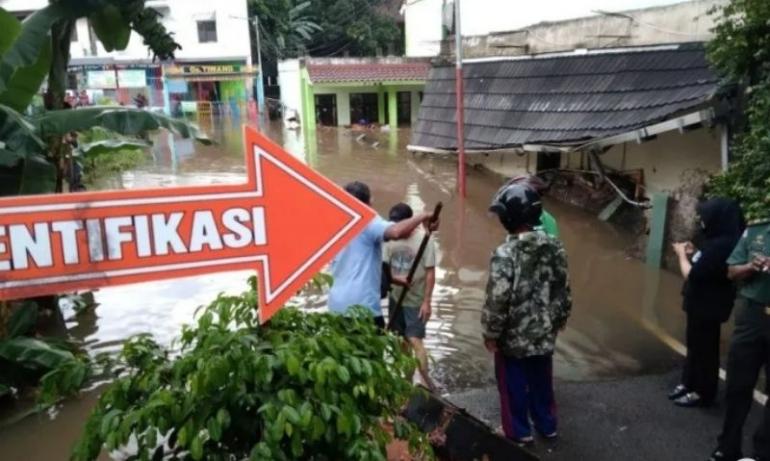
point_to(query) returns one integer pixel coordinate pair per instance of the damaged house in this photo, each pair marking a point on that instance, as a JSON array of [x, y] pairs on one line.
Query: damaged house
[[647, 114]]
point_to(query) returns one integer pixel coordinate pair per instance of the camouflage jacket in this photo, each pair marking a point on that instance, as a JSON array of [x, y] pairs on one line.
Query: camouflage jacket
[[528, 296]]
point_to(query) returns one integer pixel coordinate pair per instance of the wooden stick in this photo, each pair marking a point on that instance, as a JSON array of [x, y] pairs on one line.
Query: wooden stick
[[399, 304]]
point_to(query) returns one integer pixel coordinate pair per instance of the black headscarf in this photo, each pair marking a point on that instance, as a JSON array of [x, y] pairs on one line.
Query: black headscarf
[[721, 218]]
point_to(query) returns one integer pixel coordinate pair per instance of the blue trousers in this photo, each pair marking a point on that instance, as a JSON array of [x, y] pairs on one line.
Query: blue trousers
[[526, 391]]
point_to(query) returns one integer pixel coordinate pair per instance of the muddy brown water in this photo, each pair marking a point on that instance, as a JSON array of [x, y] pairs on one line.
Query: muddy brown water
[[624, 318]]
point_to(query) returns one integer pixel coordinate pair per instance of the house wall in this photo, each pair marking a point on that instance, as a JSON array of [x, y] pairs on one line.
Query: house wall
[[666, 159], [343, 98], [506, 164]]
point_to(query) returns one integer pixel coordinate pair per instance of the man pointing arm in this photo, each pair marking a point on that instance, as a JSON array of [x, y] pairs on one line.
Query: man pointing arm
[[357, 269]]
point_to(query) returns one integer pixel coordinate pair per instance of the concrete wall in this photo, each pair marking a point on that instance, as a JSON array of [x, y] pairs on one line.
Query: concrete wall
[[179, 16], [289, 79], [682, 22]]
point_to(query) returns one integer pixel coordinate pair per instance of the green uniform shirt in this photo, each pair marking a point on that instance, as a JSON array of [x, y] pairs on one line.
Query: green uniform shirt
[[548, 225], [755, 241]]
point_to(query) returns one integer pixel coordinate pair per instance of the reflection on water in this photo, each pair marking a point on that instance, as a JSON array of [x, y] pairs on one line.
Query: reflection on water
[[609, 334]]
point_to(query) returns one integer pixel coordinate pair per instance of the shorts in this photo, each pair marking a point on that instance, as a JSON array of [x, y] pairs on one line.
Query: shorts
[[408, 324]]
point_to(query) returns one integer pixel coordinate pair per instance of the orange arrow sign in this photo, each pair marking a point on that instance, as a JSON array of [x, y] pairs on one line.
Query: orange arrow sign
[[287, 222]]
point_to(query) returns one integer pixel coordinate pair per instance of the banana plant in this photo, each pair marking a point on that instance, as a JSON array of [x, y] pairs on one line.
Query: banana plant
[[39, 47], [34, 152]]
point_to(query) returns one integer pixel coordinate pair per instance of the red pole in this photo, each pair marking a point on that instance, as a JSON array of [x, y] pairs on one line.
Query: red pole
[[460, 103], [460, 132]]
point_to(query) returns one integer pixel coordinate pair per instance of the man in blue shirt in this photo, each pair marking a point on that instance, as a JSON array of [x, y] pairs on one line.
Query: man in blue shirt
[[357, 269]]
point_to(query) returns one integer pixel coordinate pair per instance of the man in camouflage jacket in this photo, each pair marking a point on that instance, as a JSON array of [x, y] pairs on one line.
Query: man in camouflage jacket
[[528, 296], [528, 301]]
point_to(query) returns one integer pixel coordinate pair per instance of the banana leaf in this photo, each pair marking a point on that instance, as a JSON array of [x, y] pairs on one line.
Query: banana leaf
[[25, 81], [110, 145], [18, 138], [29, 45], [23, 320], [111, 28], [23, 166], [33, 354], [125, 121]]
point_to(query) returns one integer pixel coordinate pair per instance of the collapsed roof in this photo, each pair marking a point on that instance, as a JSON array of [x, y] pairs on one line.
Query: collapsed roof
[[564, 98]]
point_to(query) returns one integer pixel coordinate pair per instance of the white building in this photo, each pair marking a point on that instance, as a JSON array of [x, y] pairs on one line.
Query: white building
[[214, 63]]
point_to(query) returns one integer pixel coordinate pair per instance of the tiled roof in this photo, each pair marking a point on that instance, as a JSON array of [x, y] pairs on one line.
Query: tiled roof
[[564, 98], [341, 73]]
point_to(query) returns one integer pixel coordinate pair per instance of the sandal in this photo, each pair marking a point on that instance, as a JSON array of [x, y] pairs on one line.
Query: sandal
[[678, 391], [689, 400]]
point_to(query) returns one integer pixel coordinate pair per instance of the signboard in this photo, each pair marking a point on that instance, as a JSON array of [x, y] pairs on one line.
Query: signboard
[[132, 78], [101, 79], [286, 221], [218, 69]]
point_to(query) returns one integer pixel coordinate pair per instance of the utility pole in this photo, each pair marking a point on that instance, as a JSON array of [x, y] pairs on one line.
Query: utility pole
[[460, 102], [261, 79]]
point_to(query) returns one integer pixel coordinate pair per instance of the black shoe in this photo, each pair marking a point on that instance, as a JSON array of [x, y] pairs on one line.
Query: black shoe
[[719, 455], [677, 392]]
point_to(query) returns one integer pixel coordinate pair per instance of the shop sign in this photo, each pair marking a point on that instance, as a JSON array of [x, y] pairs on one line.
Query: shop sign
[[132, 78], [101, 79]]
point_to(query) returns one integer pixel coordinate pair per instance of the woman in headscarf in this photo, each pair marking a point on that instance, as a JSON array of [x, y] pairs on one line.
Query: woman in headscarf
[[708, 298]]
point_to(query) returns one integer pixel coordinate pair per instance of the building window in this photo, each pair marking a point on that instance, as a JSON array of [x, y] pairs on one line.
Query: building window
[[74, 34], [207, 31]]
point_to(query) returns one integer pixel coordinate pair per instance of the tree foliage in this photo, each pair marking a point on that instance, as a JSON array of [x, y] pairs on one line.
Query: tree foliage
[[305, 386], [740, 52], [357, 27], [291, 28]]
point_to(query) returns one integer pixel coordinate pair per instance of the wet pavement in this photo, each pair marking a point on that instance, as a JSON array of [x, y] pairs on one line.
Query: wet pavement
[[626, 419], [624, 323]]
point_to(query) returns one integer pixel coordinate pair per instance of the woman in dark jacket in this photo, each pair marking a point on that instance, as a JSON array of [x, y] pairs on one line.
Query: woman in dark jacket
[[708, 298]]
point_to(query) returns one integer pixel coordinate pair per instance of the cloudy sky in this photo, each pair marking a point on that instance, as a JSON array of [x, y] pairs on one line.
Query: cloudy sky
[[485, 16]]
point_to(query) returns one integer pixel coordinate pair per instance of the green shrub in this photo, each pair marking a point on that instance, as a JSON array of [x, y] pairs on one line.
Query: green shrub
[[740, 51], [305, 386]]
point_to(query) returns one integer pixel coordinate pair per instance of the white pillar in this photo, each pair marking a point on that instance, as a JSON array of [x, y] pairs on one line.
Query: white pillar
[[415, 106], [725, 147], [343, 108]]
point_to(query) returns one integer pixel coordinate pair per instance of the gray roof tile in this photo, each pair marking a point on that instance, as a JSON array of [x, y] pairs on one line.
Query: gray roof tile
[[564, 99]]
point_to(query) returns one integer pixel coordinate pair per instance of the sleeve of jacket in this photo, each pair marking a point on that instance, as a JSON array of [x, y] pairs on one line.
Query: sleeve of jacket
[[494, 315], [561, 291]]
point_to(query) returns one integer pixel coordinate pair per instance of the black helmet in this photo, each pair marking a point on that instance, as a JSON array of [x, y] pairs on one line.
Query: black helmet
[[517, 205]]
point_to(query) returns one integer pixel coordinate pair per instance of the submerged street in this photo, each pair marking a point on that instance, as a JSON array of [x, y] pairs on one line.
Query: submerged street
[[624, 335]]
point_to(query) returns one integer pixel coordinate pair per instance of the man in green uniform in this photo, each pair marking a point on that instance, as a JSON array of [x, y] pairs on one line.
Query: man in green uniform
[[749, 264]]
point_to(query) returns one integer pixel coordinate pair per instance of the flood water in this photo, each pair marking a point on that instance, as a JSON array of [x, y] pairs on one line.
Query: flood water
[[623, 323]]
